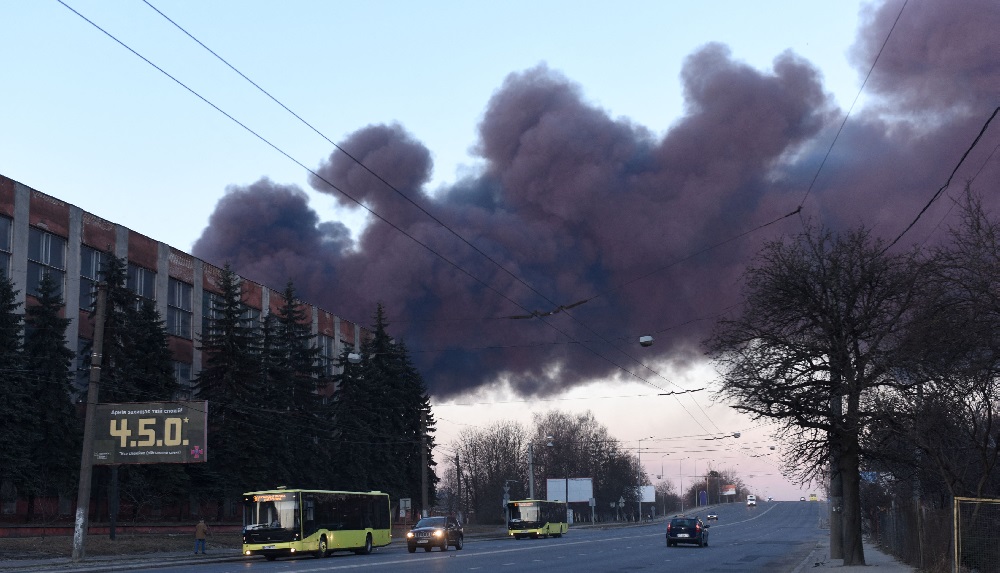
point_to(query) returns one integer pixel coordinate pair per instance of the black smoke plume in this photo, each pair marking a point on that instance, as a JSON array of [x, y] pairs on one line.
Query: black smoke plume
[[580, 206]]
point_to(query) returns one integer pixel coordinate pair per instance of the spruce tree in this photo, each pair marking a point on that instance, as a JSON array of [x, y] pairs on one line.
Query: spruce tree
[[136, 364], [417, 428], [15, 411], [118, 380], [149, 356], [230, 382], [383, 418], [298, 370], [56, 429]]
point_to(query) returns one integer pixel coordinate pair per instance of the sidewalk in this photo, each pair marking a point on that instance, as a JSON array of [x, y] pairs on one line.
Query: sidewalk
[[875, 561]]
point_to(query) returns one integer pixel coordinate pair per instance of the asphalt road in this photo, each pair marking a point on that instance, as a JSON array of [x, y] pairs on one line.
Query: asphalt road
[[772, 537]]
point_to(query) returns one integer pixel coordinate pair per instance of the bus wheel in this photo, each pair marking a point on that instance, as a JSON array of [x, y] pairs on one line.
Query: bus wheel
[[460, 543], [321, 550], [367, 548]]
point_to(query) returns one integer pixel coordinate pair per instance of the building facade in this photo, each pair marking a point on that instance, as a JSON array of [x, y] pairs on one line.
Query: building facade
[[40, 234]]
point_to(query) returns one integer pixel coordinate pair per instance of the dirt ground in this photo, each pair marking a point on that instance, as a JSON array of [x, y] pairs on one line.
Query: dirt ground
[[62, 546]]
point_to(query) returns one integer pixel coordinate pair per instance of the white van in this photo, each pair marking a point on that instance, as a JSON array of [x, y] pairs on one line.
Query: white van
[[751, 500]]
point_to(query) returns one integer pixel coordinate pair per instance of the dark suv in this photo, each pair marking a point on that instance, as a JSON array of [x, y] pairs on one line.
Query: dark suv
[[687, 530], [431, 532]]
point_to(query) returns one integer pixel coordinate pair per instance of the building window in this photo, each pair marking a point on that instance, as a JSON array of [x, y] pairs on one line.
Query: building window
[[211, 309], [327, 353], [46, 255], [6, 225], [91, 266], [179, 308], [182, 373], [250, 314], [142, 282]]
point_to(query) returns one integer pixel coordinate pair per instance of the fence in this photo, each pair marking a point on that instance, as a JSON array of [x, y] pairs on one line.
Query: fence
[[962, 539], [977, 535]]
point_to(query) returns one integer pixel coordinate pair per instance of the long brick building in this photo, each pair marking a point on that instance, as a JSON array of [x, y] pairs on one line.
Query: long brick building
[[39, 234]]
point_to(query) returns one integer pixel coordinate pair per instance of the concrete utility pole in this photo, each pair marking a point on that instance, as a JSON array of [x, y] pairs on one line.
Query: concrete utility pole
[[531, 471], [424, 510], [836, 477], [87, 453]]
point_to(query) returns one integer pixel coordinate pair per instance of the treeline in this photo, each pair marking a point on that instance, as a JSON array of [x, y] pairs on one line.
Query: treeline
[[878, 362], [275, 415], [558, 445]]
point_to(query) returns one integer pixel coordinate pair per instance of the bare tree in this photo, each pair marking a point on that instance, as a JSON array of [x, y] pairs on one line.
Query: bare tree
[[946, 416], [489, 459], [818, 331]]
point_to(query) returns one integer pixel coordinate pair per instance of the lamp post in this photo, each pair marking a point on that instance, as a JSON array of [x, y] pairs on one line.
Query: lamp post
[[680, 475], [552, 445], [639, 480], [531, 471]]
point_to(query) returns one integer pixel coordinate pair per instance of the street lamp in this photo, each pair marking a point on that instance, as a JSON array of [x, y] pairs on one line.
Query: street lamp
[[566, 472], [531, 467], [639, 480]]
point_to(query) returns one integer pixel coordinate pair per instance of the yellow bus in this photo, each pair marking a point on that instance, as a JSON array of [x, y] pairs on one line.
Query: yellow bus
[[812, 497], [537, 518], [286, 522]]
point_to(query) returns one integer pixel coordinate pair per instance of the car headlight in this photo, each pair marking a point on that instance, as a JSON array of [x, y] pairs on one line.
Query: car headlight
[[409, 535], [438, 533]]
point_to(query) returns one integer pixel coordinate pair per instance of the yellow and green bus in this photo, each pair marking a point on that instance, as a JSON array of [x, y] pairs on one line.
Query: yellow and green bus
[[286, 522], [537, 518]]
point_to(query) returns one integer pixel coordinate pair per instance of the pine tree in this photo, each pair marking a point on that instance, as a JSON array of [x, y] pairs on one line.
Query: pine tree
[[297, 370], [230, 382], [417, 428], [149, 355], [383, 416], [118, 381], [136, 364], [15, 419], [56, 429]]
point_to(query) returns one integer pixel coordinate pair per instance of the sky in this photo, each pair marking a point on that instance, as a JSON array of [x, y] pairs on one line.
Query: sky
[[516, 159]]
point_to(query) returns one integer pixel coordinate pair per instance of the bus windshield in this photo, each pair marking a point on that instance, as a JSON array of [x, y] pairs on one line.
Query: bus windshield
[[272, 512], [525, 513]]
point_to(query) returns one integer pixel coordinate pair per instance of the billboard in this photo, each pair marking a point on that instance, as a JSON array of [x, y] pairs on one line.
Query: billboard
[[580, 489], [648, 494], [151, 433], [729, 489]]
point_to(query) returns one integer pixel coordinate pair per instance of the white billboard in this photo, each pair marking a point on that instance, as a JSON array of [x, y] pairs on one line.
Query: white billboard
[[580, 489], [648, 494]]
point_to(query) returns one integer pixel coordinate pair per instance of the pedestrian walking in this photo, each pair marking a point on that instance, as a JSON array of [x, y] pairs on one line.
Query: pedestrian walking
[[200, 534]]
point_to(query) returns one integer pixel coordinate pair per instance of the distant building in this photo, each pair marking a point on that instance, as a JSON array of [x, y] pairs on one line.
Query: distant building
[[39, 233]]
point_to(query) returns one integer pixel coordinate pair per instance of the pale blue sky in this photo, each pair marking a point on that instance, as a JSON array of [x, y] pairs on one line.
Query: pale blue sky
[[88, 122]]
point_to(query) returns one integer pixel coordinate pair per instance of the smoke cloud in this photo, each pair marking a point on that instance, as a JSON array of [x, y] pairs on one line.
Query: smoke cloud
[[574, 205]]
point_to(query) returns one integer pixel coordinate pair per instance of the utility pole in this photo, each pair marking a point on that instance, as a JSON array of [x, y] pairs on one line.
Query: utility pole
[[87, 454], [458, 475], [531, 471], [836, 477], [423, 465]]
